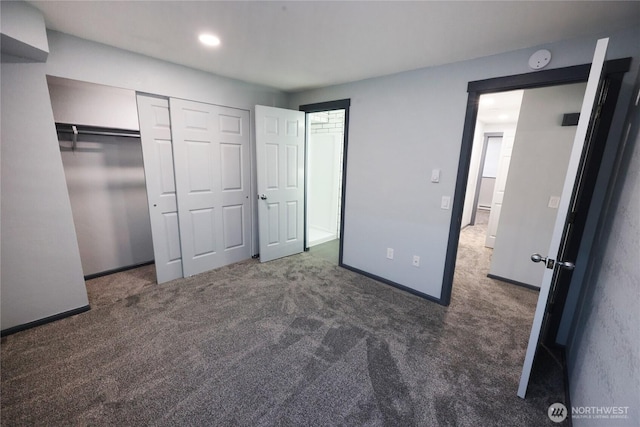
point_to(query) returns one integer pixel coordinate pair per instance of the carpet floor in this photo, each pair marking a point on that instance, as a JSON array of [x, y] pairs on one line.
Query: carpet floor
[[297, 341]]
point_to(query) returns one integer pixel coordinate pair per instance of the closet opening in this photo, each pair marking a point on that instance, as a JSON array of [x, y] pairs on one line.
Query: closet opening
[[101, 153]]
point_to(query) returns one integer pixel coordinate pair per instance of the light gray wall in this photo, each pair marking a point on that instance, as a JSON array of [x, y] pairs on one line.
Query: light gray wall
[[603, 353], [403, 126], [106, 182], [23, 32], [41, 271], [537, 170], [90, 104]]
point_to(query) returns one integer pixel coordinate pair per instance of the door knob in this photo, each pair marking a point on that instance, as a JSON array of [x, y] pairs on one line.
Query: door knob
[[538, 258], [548, 262], [567, 265], [263, 197]]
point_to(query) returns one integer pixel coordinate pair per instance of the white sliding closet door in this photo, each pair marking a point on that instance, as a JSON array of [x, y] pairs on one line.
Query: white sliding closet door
[[211, 149], [155, 134]]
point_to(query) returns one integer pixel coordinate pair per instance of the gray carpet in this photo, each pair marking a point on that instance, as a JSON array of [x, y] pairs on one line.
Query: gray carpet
[[297, 341]]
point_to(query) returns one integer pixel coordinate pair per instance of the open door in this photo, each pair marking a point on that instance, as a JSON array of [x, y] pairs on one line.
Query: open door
[[498, 191], [561, 230], [280, 137]]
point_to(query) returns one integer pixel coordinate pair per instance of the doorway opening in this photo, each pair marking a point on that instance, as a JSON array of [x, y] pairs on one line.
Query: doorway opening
[[491, 153], [325, 161], [325, 144], [540, 79], [585, 193], [516, 217]]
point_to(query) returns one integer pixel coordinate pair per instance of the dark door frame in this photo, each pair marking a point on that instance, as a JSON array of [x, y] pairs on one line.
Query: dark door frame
[[341, 104], [560, 76]]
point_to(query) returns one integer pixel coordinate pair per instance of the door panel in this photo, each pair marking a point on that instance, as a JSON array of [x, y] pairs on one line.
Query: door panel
[[587, 114], [498, 191], [232, 217], [280, 164], [292, 221], [155, 132], [211, 152]]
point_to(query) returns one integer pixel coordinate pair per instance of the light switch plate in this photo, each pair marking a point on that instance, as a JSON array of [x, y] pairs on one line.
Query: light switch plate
[[554, 202], [389, 253], [446, 202], [435, 175]]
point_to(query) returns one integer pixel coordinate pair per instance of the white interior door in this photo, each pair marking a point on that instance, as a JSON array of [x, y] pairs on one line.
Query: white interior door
[[157, 155], [280, 163], [586, 112], [212, 169], [498, 191]]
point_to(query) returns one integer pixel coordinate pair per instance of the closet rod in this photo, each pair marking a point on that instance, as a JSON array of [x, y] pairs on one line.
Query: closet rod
[[95, 130]]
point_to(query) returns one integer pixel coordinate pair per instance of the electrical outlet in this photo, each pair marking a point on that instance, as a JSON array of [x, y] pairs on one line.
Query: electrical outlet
[[389, 253], [416, 261]]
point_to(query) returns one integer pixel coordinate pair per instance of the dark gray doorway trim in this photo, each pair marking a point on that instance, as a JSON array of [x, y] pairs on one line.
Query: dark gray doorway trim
[[341, 104], [560, 76]]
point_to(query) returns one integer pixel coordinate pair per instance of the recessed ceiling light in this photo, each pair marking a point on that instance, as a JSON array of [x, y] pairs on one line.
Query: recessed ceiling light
[[209, 40]]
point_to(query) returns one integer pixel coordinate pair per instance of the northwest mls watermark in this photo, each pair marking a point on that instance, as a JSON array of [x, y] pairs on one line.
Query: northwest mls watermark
[[557, 412], [600, 412]]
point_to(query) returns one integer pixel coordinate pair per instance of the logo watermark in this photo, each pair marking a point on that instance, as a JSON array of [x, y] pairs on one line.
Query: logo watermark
[[600, 412], [557, 412]]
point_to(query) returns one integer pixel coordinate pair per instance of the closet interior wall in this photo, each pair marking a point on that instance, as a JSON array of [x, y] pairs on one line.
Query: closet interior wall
[[105, 175]]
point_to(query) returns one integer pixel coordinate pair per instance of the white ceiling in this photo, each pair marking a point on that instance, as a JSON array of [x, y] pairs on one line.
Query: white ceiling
[[500, 108], [299, 45]]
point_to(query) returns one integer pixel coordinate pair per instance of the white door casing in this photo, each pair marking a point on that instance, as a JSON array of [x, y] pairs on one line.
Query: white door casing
[[157, 154], [586, 112], [211, 146], [498, 192], [280, 137]]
